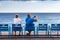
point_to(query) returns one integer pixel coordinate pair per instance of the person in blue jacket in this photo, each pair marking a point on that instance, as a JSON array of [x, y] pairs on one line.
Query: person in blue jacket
[[30, 23]]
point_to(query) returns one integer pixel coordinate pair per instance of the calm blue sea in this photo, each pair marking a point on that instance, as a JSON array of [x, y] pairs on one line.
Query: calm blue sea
[[48, 18]]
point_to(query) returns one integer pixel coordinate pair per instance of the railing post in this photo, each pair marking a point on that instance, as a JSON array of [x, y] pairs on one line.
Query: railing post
[[10, 29], [23, 29], [48, 30], [36, 29]]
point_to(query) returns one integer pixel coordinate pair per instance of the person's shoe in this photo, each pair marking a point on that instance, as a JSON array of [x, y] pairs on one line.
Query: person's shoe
[[19, 35], [28, 34]]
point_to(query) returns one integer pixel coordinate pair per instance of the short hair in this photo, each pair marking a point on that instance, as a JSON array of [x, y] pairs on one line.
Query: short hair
[[16, 16], [29, 15]]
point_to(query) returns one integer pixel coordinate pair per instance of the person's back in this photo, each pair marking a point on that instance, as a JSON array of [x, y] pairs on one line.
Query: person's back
[[30, 20], [30, 23], [17, 20]]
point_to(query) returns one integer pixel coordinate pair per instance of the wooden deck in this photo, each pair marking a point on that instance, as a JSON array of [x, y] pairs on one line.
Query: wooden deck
[[32, 39]]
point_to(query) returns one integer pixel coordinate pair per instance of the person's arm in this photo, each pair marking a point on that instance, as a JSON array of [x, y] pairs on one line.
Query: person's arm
[[36, 19], [20, 21]]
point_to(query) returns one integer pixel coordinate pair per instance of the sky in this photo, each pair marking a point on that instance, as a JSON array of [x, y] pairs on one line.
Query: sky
[[30, 6], [40, 7]]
